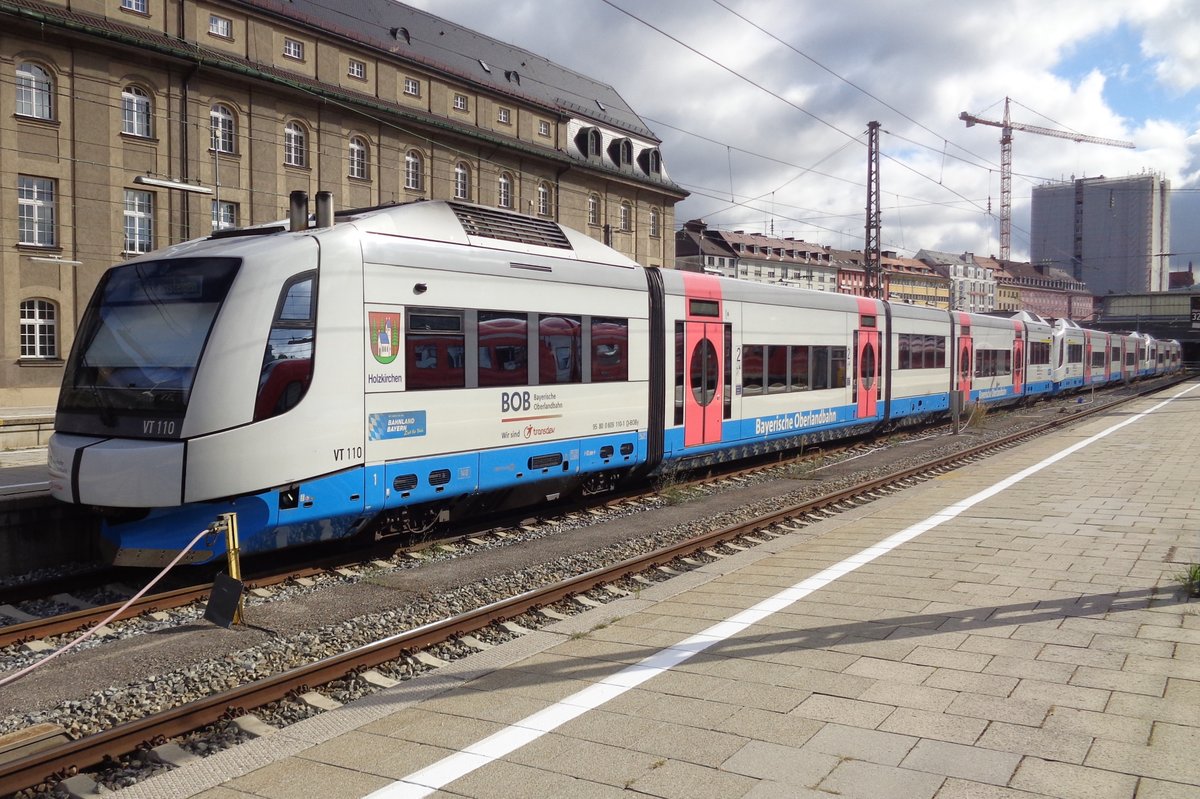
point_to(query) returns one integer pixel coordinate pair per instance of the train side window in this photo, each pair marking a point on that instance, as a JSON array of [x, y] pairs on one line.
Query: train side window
[[777, 366], [560, 358], [752, 369], [940, 344], [288, 360], [610, 349], [820, 359], [434, 350], [1039, 353], [837, 367], [903, 347], [503, 349], [799, 369]]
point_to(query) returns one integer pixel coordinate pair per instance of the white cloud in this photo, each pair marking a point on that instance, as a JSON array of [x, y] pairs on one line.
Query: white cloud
[[926, 62]]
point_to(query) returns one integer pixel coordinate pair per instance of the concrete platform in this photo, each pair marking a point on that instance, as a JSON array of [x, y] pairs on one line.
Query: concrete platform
[[1010, 630], [25, 428]]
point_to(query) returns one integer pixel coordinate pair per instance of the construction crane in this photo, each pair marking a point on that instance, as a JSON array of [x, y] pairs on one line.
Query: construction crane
[[1007, 126]]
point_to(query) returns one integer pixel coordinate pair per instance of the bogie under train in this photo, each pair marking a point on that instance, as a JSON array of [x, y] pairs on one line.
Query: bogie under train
[[414, 363]]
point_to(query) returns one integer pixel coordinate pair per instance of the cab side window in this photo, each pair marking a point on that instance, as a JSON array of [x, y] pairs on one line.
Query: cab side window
[[288, 358]]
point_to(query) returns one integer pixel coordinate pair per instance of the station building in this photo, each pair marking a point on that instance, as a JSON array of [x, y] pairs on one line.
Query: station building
[[129, 125]]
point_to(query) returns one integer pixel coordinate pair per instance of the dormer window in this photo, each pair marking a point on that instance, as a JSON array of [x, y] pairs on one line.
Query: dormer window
[[650, 160], [621, 152], [588, 141]]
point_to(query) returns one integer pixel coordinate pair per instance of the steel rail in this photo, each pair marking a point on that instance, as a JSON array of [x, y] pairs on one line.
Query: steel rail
[[117, 741]]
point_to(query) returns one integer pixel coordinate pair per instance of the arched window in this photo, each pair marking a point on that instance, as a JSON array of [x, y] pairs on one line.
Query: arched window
[[593, 209], [39, 329], [504, 190], [462, 181], [626, 217], [135, 111], [543, 200], [654, 223], [359, 159], [414, 171], [35, 90], [224, 128], [295, 144]]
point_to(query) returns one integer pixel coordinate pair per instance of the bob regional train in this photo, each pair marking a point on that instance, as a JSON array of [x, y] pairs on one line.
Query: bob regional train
[[391, 368]]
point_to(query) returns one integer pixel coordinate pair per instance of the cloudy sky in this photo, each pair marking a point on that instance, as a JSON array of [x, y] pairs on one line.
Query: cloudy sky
[[763, 105]]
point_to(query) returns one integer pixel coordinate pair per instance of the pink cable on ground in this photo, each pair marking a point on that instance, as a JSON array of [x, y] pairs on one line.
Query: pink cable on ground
[[18, 675]]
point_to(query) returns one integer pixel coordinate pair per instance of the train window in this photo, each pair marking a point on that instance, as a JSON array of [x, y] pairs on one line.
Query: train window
[[728, 399], [799, 369], [679, 373], [1039, 353], [288, 360], [435, 350], [921, 352], [704, 372], [820, 360], [992, 363], [1115, 356], [1129, 358], [777, 366], [1074, 353], [1098, 359], [503, 349], [837, 367], [610, 349], [559, 350], [752, 370]]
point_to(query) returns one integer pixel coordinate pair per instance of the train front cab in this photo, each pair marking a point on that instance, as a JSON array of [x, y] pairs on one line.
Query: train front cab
[[1038, 340], [253, 421], [1067, 356]]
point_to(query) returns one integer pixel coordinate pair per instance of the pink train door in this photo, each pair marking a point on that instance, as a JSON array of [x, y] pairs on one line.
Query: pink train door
[[867, 360], [1087, 359], [1018, 371], [963, 359], [703, 361]]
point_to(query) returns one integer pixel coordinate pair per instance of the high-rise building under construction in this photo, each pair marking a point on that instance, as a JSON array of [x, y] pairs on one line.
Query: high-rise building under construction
[[1110, 233]]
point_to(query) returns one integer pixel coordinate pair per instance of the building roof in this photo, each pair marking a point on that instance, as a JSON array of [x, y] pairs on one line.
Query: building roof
[[462, 53]]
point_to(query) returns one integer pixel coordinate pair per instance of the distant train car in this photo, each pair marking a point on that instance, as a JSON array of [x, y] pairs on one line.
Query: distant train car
[[389, 369], [1066, 355]]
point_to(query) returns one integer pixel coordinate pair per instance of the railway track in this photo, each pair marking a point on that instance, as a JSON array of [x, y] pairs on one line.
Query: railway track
[[59, 760], [298, 565]]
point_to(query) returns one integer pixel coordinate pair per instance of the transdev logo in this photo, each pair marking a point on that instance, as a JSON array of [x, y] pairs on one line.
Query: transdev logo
[[383, 333]]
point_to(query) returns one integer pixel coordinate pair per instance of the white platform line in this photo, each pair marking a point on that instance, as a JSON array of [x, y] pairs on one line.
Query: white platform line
[[432, 778]]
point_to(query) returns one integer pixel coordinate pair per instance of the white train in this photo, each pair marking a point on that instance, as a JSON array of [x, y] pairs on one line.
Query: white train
[[399, 366]]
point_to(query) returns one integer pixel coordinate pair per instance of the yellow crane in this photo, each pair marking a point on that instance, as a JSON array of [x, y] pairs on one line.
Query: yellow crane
[[1007, 126]]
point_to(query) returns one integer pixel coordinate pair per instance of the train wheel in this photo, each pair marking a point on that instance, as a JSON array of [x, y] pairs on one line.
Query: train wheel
[[598, 484]]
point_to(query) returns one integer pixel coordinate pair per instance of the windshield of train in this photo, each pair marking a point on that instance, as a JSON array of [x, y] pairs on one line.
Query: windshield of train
[[140, 342]]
